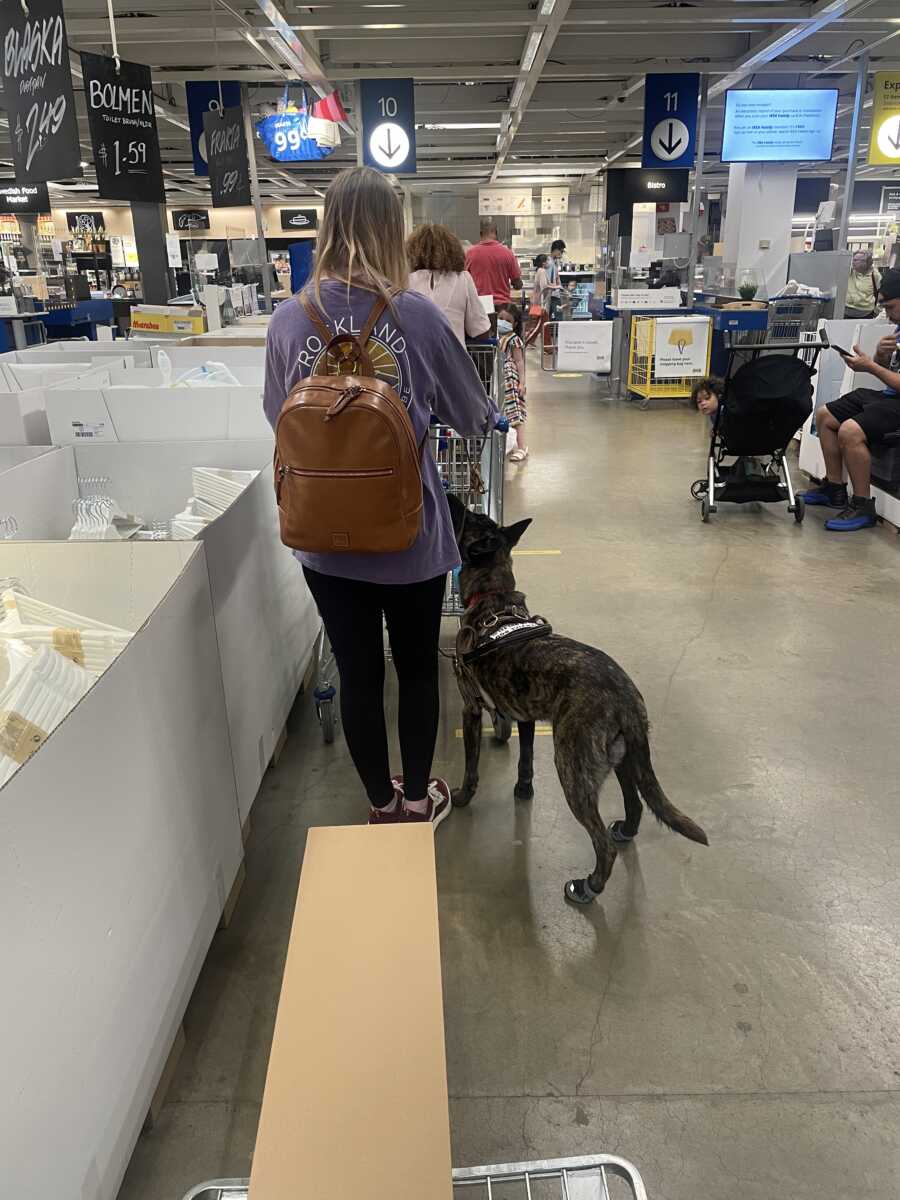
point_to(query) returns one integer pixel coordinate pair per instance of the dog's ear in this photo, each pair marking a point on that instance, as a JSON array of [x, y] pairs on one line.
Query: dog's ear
[[512, 533], [483, 550], [457, 511]]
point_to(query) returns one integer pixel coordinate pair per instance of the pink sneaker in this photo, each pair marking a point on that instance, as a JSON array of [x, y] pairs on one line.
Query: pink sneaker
[[439, 804]]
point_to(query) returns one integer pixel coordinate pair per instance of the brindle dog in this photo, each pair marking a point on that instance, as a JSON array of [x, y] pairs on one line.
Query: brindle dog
[[598, 715]]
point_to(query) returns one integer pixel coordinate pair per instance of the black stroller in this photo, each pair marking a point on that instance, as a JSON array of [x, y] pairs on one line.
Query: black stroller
[[766, 398]]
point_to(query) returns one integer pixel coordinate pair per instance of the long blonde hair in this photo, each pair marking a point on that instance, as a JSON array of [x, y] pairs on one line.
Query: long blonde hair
[[361, 239]]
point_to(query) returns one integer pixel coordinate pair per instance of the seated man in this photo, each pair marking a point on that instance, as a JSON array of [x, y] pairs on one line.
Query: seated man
[[848, 426]]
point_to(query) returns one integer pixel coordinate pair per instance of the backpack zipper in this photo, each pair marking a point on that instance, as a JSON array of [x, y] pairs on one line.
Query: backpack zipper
[[360, 474]]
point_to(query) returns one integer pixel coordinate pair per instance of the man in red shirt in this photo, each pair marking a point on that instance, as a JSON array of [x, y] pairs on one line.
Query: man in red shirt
[[494, 268]]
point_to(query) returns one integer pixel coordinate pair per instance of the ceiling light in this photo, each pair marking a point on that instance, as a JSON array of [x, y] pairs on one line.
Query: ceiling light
[[83, 165], [532, 48], [382, 26], [547, 7]]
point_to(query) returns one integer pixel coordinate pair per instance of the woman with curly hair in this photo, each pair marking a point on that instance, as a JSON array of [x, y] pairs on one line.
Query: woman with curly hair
[[438, 270]]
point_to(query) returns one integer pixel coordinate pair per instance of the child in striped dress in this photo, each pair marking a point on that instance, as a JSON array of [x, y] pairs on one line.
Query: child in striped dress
[[512, 348]]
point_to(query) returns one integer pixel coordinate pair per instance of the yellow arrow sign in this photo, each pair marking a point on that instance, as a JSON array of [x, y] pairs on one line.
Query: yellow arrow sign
[[884, 146]]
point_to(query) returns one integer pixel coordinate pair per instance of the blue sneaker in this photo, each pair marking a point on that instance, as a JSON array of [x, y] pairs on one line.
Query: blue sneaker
[[829, 495], [859, 514]]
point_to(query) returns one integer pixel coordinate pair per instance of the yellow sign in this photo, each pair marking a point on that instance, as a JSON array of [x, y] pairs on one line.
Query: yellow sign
[[884, 147]]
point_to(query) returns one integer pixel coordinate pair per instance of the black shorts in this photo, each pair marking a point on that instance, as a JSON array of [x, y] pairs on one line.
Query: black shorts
[[875, 413]]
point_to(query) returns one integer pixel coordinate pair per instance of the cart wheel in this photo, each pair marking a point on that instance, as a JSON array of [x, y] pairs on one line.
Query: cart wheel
[[799, 510], [502, 728], [704, 509], [325, 712]]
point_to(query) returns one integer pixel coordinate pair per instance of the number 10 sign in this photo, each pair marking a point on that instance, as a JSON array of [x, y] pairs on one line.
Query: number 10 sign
[[122, 122], [388, 111]]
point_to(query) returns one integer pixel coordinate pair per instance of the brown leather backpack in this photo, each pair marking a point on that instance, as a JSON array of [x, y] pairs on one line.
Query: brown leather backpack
[[348, 472]]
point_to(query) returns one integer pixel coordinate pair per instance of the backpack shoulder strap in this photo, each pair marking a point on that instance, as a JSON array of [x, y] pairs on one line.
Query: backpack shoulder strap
[[350, 350]]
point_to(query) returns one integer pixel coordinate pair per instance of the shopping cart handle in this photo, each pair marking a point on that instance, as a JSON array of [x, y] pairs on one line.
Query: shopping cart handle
[[502, 425]]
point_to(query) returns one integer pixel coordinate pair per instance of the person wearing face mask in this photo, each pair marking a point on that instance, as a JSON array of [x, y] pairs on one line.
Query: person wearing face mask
[[862, 288], [512, 348]]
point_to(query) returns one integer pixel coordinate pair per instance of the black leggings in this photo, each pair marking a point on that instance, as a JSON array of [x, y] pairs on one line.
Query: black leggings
[[352, 612]]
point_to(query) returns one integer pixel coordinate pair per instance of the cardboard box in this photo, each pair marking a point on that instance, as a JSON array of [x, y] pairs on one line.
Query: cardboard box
[[150, 319], [76, 350], [78, 414], [119, 843], [23, 386], [247, 363], [355, 1103], [266, 621]]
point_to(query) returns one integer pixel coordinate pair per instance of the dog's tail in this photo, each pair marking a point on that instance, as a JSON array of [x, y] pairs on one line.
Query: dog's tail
[[657, 800]]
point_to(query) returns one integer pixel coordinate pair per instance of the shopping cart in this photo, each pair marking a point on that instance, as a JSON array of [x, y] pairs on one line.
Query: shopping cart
[[596, 1177], [472, 467]]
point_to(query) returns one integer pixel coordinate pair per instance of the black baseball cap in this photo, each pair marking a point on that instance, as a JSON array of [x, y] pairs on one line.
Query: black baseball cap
[[889, 288]]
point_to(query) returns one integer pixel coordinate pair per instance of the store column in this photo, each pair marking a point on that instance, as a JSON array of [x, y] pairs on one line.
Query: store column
[[757, 232], [149, 221]]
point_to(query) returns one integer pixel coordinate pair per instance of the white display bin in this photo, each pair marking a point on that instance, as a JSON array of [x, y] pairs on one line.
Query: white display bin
[[266, 621], [119, 844], [246, 363], [77, 414], [75, 350], [23, 387]]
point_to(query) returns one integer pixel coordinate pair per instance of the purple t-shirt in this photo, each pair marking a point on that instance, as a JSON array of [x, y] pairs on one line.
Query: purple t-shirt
[[414, 349]]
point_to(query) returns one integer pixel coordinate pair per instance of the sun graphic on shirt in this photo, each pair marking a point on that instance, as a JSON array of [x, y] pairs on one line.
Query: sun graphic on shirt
[[384, 363]]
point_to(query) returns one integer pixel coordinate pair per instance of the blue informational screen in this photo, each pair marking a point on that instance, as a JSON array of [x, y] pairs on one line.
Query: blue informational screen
[[780, 125]]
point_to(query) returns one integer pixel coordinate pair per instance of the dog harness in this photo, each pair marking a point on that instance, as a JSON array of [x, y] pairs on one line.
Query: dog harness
[[495, 631], [509, 627]]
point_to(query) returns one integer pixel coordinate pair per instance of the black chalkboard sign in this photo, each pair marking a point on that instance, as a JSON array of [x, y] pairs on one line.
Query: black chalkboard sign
[[299, 218], [23, 198], [37, 91], [122, 121], [190, 218], [85, 224], [226, 155]]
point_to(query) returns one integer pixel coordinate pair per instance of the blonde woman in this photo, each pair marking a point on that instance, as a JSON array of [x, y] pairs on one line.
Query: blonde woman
[[361, 262], [438, 270]]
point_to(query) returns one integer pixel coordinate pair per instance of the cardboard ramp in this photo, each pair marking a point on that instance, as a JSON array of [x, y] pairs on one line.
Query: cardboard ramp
[[355, 1103]]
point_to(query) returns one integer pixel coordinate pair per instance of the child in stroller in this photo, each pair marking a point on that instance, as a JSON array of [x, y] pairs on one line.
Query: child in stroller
[[761, 405]]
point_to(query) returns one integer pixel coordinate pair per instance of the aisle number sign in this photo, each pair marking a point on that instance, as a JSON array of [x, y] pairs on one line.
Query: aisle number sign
[[388, 111], [670, 120], [884, 145]]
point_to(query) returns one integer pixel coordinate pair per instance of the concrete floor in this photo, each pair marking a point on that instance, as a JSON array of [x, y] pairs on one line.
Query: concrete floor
[[726, 1018]]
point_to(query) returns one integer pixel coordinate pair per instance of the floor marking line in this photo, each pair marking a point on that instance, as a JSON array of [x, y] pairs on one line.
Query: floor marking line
[[539, 731]]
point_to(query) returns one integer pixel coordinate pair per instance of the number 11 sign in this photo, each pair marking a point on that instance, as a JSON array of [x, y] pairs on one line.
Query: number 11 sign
[[388, 132], [122, 123]]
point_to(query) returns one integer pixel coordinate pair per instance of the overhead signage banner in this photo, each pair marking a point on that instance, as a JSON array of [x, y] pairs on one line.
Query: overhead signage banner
[[37, 91], [388, 114], [85, 224], [122, 123], [23, 198], [670, 120], [504, 202], [293, 219], [190, 218], [554, 200], [884, 143], [226, 150], [202, 98]]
